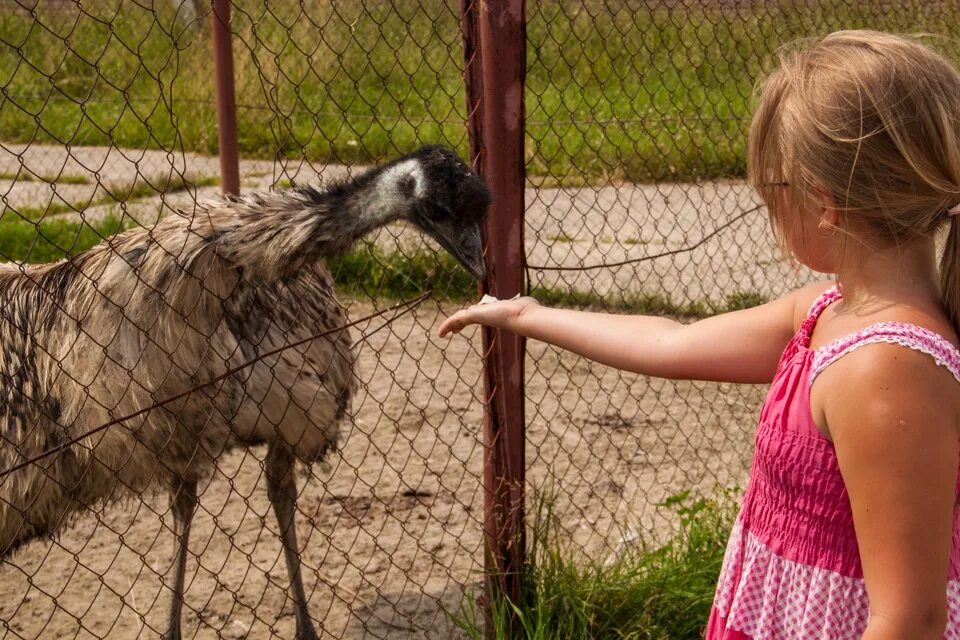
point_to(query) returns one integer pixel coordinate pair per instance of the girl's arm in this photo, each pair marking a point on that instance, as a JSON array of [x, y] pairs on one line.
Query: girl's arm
[[892, 415], [742, 346]]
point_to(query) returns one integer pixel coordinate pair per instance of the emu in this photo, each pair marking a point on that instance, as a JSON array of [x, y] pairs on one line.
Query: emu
[[149, 314]]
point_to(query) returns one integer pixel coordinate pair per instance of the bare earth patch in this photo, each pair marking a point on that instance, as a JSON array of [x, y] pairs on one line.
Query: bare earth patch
[[391, 531]]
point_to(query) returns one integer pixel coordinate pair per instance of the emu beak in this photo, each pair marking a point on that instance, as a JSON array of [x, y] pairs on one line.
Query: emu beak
[[474, 264], [469, 251], [463, 243]]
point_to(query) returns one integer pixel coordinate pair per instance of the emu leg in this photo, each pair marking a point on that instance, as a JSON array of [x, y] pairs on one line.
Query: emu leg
[[282, 490], [184, 505]]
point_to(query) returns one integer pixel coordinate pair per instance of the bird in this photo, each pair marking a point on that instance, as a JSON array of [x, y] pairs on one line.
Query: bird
[[153, 312]]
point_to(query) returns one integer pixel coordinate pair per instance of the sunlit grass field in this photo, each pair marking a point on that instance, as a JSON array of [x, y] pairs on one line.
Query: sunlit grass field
[[614, 89]]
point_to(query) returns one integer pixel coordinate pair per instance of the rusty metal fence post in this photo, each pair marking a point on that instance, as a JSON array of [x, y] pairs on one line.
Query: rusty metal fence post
[[495, 31], [226, 97]]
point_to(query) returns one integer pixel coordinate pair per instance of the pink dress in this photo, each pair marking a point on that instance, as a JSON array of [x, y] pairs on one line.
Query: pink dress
[[792, 569]]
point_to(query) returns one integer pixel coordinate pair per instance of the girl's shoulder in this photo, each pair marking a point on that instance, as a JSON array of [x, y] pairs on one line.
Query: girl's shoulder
[[915, 342], [923, 321], [890, 358]]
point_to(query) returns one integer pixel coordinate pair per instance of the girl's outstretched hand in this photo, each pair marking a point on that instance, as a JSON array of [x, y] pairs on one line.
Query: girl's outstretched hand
[[498, 314]]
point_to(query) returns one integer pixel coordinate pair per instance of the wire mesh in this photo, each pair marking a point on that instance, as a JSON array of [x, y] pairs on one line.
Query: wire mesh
[[637, 117], [636, 121]]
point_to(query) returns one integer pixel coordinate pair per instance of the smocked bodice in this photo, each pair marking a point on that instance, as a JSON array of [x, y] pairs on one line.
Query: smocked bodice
[[792, 568]]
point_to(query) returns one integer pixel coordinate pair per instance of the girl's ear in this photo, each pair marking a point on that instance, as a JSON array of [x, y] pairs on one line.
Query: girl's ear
[[828, 212]]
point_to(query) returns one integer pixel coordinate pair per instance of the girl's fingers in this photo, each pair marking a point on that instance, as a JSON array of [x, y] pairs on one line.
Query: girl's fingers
[[475, 314], [446, 328], [453, 324], [459, 320]]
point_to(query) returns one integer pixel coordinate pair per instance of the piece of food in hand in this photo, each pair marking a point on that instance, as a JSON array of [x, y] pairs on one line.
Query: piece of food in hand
[[487, 298]]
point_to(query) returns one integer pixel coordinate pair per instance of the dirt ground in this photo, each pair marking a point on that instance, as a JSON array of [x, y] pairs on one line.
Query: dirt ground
[[390, 526]]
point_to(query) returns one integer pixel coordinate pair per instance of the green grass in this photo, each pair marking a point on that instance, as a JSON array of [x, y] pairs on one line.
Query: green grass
[[50, 240], [368, 271], [41, 234], [371, 271], [615, 89], [52, 208], [36, 235], [645, 303], [25, 175], [647, 593], [166, 184]]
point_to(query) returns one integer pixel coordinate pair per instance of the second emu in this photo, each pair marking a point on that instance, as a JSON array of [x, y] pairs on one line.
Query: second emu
[[152, 313]]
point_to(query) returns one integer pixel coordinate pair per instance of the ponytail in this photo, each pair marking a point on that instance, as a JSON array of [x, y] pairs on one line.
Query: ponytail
[[950, 273]]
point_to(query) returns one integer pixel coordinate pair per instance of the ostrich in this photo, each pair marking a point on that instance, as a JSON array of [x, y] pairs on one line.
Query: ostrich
[[152, 313]]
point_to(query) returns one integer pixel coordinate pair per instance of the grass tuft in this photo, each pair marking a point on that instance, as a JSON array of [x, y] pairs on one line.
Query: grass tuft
[[136, 190], [371, 271], [645, 303], [645, 593], [164, 185], [32, 235]]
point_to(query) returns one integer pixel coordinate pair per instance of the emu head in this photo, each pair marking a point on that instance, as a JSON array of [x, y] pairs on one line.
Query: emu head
[[444, 198]]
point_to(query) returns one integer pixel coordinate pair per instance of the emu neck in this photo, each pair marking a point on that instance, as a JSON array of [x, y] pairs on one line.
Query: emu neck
[[381, 196], [270, 235], [369, 210]]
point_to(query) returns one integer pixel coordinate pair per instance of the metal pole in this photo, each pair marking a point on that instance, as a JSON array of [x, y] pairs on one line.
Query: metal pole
[[497, 122], [472, 77], [226, 97]]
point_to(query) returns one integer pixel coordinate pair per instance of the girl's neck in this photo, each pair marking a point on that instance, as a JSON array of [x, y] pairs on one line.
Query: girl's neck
[[875, 278]]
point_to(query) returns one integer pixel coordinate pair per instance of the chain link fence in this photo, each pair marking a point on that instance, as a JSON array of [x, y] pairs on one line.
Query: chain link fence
[[636, 115]]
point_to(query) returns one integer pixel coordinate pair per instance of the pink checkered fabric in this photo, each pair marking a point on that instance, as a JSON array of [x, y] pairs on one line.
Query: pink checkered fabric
[[762, 595], [792, 569]]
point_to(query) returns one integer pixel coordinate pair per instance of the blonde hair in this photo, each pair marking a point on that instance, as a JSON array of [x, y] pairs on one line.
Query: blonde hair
[[873, 119]]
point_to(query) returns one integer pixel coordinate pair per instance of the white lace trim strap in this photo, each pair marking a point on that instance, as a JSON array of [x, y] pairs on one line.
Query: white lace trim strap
[[824, 300], [911, 336]]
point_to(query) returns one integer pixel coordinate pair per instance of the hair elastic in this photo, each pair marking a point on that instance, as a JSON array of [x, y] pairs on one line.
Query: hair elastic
[[954, 210]]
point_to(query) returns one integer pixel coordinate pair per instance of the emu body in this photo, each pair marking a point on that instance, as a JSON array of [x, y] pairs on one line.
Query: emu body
[[152, 313]]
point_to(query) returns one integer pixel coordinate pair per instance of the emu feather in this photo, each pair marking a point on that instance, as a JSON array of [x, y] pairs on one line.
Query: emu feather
[[150, 313]]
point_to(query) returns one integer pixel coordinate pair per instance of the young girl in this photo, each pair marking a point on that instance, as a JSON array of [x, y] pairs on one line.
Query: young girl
[[849, 527]]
